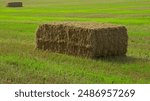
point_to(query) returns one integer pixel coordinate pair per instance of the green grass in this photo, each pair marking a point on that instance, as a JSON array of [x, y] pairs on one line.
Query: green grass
[[21, 63]]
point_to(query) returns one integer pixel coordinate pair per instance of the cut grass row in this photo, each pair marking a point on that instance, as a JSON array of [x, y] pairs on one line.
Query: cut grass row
[[136, 21]]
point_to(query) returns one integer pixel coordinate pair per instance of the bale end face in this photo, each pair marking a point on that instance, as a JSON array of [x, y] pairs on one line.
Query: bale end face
[[14, 4], [83, 39]]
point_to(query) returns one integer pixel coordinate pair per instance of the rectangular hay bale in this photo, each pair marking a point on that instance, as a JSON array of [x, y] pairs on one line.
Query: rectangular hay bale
[[14, 4], [83, 39]]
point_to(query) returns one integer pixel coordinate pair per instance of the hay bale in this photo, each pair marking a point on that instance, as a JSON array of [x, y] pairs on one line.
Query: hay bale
[[83, 39], [14, 4]]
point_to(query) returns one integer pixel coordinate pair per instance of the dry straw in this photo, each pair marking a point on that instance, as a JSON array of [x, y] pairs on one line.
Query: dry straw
[[83, 39], [14, 4]]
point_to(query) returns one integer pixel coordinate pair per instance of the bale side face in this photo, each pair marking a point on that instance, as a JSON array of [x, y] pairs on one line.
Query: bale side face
[[82, 39], [14, 4], [64, 39]]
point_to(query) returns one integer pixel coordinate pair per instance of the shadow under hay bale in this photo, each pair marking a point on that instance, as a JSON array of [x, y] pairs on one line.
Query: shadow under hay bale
[[14, 4], [83, 39]]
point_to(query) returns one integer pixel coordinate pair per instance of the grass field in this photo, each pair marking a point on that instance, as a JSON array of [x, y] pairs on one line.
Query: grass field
[[21, 63]]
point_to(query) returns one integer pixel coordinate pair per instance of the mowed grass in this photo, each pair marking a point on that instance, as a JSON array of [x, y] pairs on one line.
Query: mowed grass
[[20, 62]]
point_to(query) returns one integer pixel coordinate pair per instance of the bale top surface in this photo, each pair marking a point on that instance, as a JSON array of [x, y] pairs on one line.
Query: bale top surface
[[88, 25], [15, 2]]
